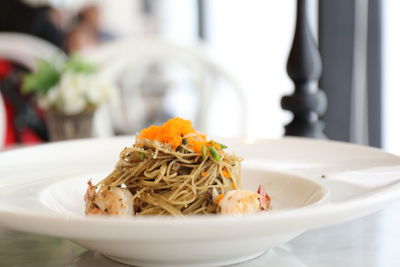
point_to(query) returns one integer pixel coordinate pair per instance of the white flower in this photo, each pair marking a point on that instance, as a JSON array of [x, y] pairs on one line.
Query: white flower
[[98, 91], [75, 93]]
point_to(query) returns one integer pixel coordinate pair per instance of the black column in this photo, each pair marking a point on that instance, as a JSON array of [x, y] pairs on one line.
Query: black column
[[336, 37], [374, 72], [307, 103], [201, 19], [336, 42]]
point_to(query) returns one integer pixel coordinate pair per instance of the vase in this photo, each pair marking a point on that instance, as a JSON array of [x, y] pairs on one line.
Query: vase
[[66, 127]]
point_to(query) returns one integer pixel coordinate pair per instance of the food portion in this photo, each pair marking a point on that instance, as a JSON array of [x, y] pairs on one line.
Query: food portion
[[173, 170], [240, 202]]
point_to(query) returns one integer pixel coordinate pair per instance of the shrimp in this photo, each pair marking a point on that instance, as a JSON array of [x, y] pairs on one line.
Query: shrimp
[[110, 201], [237, 202]]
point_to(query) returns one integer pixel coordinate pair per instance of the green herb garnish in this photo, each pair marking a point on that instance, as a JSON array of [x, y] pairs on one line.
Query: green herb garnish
[[214, 154], [222, 146]]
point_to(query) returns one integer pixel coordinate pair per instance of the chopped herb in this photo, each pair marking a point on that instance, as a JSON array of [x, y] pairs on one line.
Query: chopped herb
[[204, 151], [141, 156], [184, 141], [323, 176], [223, 146], [214, 154]]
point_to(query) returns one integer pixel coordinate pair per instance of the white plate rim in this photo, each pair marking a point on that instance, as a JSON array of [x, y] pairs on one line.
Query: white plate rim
[[321, 214]]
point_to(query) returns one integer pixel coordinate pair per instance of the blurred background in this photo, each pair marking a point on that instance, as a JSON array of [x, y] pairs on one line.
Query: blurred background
[[221, 64]]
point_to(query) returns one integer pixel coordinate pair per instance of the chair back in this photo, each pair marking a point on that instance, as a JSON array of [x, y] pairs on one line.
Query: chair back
[[25, 50], [139, 55]]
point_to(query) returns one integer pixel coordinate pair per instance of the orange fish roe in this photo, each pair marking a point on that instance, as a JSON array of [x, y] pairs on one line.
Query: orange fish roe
[[219, 198], [215, 145], [226, 173], [173, 131], [197, 142]]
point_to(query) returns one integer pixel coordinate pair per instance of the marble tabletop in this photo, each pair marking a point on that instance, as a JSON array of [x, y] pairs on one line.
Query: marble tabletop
[[372, 241]]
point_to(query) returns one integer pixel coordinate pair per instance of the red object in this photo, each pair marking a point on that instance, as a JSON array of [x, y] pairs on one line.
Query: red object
[[5, 68], [11, 133], [12, 136], [25, 136]]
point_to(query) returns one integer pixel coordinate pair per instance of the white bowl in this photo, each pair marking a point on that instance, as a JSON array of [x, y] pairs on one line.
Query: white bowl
[[311, 184], [288, 192]]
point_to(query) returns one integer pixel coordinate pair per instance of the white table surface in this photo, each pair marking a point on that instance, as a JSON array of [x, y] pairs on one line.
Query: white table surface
[[372, 241]]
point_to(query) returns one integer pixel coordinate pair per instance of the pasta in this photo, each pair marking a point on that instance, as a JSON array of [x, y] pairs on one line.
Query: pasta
[[170, 170]]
